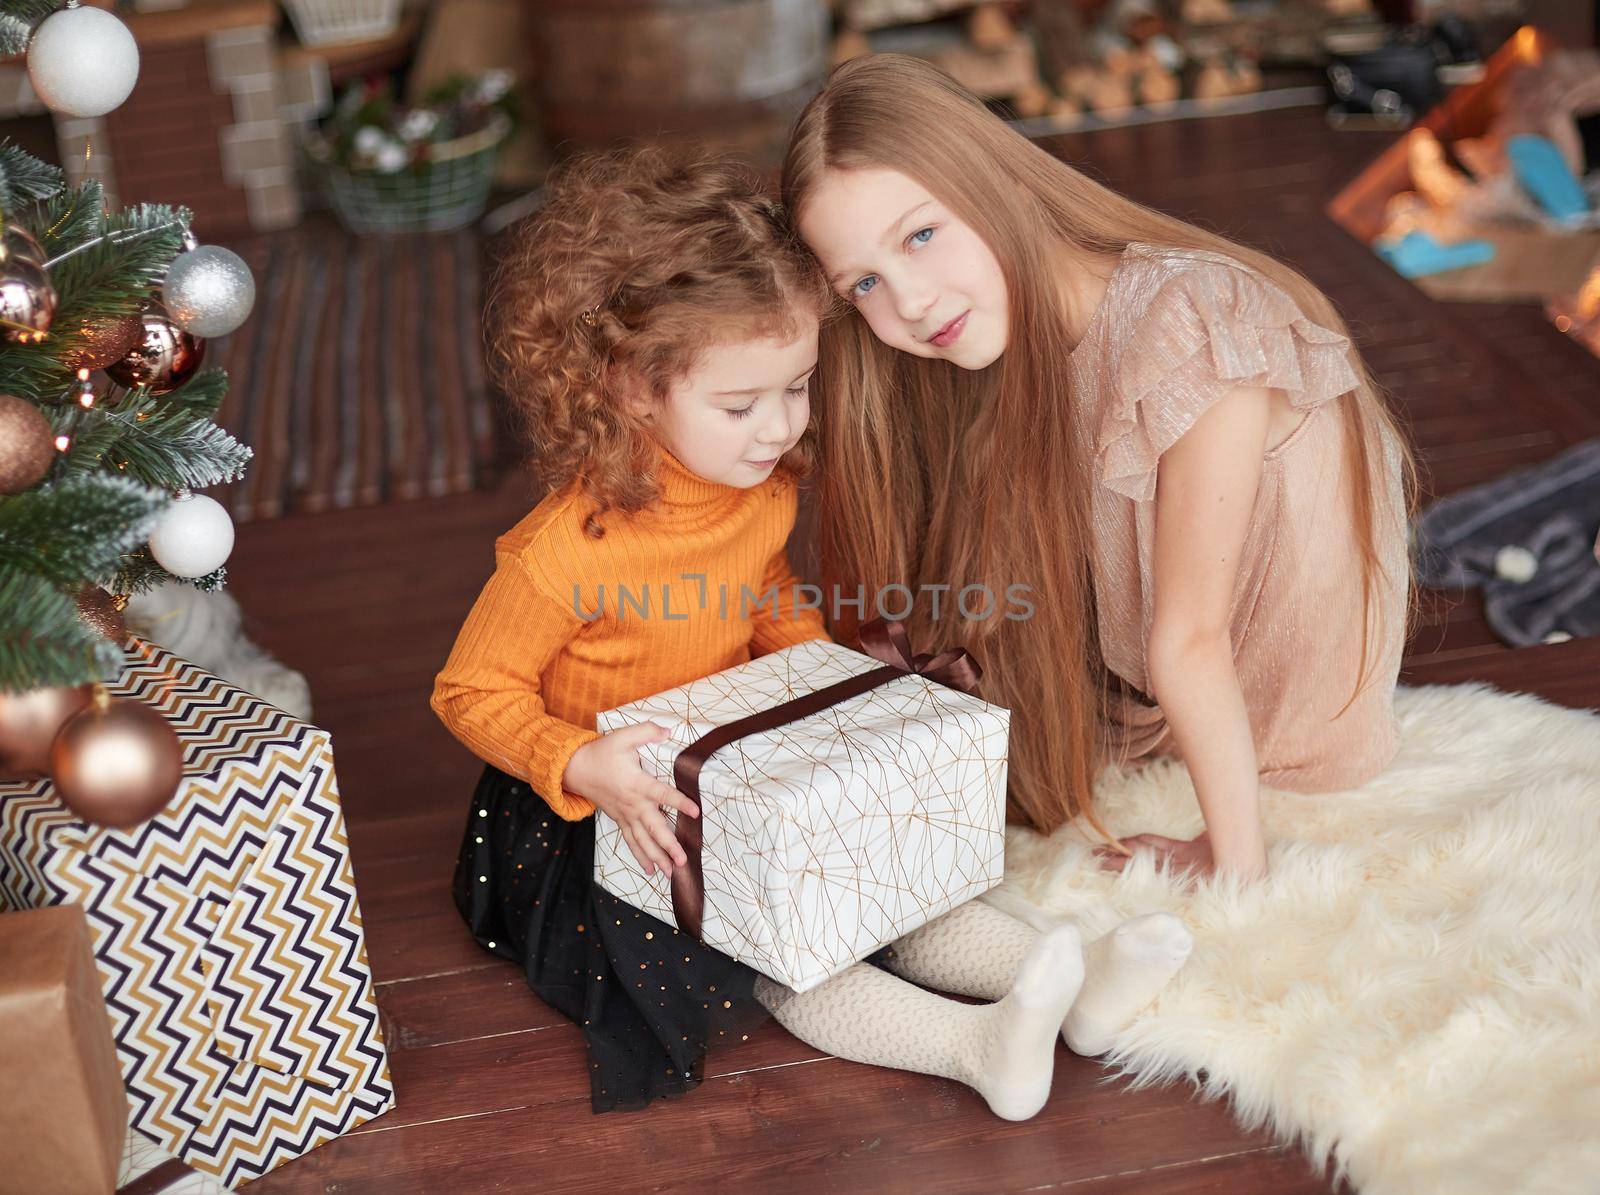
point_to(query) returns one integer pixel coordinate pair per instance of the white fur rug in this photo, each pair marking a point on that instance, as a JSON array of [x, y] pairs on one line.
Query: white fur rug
[[1415, 989]]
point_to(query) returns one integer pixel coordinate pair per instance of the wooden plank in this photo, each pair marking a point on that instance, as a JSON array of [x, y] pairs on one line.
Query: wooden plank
[[827, 1125]]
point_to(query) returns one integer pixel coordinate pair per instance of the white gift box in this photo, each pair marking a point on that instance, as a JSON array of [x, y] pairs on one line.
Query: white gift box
[[830, 836]]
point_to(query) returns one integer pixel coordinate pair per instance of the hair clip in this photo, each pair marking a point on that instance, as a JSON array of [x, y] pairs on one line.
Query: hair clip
[[587, 317]]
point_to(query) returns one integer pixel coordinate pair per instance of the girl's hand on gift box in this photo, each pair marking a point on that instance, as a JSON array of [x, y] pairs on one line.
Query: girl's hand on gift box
[[609, 773]]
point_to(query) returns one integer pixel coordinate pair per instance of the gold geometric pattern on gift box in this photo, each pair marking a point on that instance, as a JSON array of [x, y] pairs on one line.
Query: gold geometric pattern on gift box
[[227, 930], [832, 835]]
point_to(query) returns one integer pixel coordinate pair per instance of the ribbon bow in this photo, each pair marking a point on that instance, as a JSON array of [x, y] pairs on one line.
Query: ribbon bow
[[886, 639], [882, 639]]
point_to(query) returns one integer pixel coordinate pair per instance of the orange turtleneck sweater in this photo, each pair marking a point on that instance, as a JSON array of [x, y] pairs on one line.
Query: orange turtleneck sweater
[[544, 649]]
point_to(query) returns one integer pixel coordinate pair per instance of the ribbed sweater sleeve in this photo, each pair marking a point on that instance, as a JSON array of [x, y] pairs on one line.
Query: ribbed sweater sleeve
[[785, 623], [488, 693]]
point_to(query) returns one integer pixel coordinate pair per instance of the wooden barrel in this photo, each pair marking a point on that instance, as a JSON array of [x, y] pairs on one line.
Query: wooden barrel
[[732, 74]]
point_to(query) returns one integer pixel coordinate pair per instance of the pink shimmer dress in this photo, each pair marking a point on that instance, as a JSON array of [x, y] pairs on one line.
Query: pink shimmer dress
[[1178, 328]]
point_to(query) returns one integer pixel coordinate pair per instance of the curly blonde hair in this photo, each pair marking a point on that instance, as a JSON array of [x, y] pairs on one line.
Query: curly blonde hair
[[635, 264]]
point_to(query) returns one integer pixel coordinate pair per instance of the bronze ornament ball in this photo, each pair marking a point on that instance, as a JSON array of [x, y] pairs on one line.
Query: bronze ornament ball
[[116, 764], [165, 358], [17, 241], [27, 300], [102, 612], [27, 445], [105, 344], [29, 723]]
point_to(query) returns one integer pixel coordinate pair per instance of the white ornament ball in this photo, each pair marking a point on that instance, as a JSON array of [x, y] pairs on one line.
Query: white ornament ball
[[209, 291], [193, 537], [1514, 563], [82, 61]]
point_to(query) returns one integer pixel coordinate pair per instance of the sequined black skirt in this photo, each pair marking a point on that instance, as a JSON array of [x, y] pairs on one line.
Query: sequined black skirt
[[650, 1001]]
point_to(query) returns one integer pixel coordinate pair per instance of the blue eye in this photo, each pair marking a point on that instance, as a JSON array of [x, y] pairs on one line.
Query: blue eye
[[922, 236], [862, 287]]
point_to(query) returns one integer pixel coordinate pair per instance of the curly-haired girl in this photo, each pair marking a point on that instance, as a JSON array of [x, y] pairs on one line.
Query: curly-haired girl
[[657, 329]]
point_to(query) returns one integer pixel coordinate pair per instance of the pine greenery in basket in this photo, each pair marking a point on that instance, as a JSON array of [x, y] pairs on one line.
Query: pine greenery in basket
[[371, 131]]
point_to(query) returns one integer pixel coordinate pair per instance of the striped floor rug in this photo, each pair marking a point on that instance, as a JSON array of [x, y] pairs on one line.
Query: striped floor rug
[[359, 376]]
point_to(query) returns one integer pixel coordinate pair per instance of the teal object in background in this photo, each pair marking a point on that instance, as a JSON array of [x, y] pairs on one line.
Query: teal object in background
[[1416, 255], [1544, 174]]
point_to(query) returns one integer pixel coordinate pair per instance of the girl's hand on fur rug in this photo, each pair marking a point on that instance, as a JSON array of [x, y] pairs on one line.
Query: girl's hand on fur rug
[[1192, 855]]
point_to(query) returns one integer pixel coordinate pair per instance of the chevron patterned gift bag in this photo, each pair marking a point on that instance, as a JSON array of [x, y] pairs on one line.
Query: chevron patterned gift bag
[[226, 930], [847, 797]]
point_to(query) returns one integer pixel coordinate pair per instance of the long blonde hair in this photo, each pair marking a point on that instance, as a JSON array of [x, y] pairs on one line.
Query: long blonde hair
[[934, 474]]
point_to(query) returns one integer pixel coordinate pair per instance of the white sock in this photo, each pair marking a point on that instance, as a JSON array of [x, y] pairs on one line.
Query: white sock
[[1020, 1060], [1123, 972], [1005, 1051]]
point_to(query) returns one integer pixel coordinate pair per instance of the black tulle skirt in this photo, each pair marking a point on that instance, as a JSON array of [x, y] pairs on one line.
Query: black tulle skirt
[[650, 1001]]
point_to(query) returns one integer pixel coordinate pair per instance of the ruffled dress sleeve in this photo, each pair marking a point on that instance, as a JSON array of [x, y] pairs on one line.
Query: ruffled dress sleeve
[[1211, 324]]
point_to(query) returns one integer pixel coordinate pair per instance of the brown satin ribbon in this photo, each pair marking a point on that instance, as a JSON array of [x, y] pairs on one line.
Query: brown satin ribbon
[[882, 639]]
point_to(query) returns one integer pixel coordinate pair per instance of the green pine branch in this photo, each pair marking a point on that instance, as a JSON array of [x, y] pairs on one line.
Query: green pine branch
[[105, 268], [18, 20], [42, 639], [202, 394], [137, 572], [158, 440], [24, 178], [69, 217], [75, 530]]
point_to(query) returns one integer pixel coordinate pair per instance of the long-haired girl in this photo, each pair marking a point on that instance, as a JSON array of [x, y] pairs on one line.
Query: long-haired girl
[[1167, 435]]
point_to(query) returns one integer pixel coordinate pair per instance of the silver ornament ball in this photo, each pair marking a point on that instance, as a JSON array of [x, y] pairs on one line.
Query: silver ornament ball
[[209, 291]]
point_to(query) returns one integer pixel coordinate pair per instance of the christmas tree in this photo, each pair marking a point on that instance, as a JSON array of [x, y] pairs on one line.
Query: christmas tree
[[88, 467], [106, 414]]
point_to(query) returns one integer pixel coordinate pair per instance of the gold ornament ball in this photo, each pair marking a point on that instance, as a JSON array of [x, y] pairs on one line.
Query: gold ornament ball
[[105, 344], [102, 612], [27, 300], [29, 723], [117, 763], [27, 445]]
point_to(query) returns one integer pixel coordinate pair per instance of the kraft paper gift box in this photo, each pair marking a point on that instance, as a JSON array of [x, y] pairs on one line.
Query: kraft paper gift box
[[226, 930], [61, 1101], [824, 834]]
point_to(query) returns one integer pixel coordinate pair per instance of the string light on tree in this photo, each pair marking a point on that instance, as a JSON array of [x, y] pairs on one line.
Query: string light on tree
[[82, 61]]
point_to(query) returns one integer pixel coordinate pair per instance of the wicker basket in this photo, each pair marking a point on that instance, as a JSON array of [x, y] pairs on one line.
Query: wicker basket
[[447, 191], [329, 22]]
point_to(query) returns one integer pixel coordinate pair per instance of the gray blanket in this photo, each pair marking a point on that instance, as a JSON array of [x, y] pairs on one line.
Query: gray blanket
[[1552, 510]]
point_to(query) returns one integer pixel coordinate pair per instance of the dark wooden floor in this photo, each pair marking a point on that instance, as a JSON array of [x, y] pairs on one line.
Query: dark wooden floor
[[492, 1091]]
